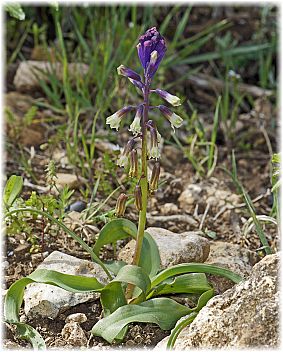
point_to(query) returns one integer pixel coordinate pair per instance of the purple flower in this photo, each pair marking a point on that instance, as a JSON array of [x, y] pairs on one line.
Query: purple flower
[[127, 72], [151, 49]]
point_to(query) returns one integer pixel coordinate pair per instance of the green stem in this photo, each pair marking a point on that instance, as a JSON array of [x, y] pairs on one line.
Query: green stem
[[143, 181], [68, 231], [144, 186]]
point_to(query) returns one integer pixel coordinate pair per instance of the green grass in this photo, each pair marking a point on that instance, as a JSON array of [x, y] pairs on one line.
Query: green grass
[[106, 37]]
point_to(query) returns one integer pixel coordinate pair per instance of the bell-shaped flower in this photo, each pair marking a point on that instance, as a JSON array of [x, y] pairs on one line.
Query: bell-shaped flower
[[115, 119], [124, 156], [153, 184], [134, 165], [135, 127], [123, 160], [153, 150], [148, 43], [121, 205], [138, 197], [174, 119], [171, 99]]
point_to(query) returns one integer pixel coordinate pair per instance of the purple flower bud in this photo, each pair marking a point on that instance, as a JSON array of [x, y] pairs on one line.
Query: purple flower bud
[[115, 119], [127, 72], [174, 119], [153, 185], [171, 99], [138, 84], [121, 205], [148, 43], [138, 197], [134, 166]]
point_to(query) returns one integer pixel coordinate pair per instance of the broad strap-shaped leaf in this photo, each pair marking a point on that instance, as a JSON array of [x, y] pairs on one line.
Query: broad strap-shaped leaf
[[135, 275], [72, 283], [161, 311], [113, 297], [194, 268], [12, 305], [14, 299], [14, 296], [114, 265], [12, 189], [150, 258], [28, 333], [202, 301], [186, 283], [115, 230]]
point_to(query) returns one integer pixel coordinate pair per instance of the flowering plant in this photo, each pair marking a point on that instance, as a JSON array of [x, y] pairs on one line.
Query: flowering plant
[[133, 292], [151, 50]]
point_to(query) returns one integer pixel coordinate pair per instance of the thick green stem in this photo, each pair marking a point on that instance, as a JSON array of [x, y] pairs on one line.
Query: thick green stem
[[143, 184]]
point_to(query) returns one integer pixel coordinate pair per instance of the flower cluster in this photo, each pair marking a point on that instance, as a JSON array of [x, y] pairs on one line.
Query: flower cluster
[[151, 50]]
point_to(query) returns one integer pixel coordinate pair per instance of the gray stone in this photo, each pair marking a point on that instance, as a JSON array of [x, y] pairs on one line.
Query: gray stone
[[47, 300], [74, 335], [76, 318], [64, 179], [174, 248], [230, 256], [30, 72], [246, 315]]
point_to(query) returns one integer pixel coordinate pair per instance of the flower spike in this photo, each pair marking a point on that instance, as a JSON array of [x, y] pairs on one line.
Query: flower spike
[[148, 43]]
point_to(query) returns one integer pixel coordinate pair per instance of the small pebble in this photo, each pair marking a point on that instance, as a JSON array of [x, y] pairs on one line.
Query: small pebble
[[78, 206], [76, 318]]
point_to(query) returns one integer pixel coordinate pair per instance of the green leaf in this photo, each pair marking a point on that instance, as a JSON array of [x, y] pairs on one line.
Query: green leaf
[[150, 258], [12, 189], [161, 311], [12, 305], [114, 265], [14, 297], [15, 10], [28, 333], [204, 298], [187, 283], [135, 275], [194, 268], [115, 230], [178, 328], [72, 283], [112, 297]]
